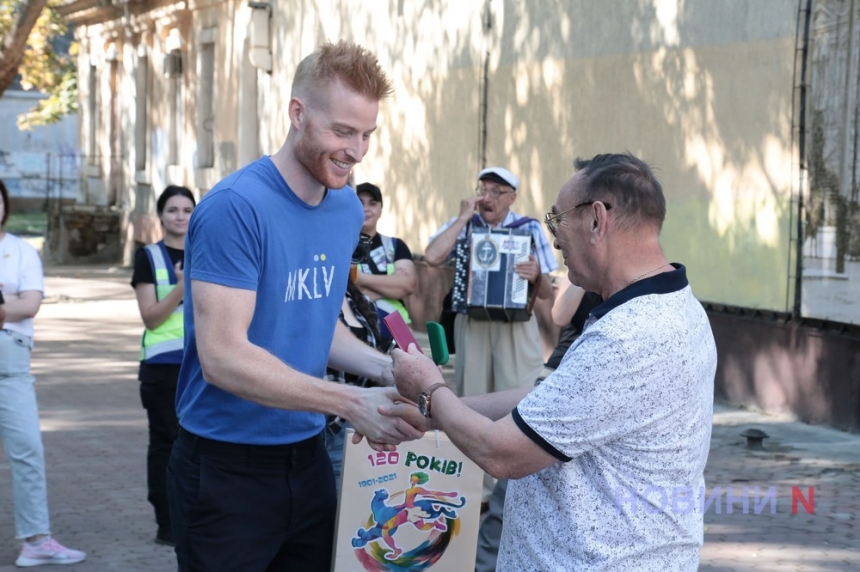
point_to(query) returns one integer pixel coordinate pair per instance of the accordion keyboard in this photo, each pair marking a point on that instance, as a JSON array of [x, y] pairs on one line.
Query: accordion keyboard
[[519, 286]]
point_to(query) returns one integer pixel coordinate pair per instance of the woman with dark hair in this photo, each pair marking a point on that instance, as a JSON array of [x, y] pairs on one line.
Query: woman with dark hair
[[158, 284], [358, 313], [22, 284]]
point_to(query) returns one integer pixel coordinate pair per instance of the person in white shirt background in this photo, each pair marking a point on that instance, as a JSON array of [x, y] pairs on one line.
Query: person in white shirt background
[[22, 284]]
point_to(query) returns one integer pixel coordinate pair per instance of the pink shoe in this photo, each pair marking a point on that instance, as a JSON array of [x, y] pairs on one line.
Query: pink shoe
[[48, 551]]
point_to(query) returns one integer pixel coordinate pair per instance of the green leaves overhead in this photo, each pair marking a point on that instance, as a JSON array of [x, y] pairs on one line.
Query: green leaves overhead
[[45, 58]]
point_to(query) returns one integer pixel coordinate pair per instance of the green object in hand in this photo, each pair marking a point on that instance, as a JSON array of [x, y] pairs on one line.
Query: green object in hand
[[438, 343]]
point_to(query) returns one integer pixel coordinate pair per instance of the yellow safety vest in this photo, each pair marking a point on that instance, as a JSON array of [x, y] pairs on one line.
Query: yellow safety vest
[[164, 344]]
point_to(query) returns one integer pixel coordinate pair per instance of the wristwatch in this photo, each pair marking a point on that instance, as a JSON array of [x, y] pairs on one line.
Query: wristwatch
[[424, 398]]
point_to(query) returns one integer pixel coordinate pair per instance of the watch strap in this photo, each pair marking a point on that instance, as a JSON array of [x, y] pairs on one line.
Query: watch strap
[[427, 396]]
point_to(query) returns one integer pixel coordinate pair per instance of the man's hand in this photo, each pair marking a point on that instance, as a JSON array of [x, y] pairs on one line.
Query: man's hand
[[442, 245], [375, 445], [414, 372], [529, 269], [379, 429], [408, 410], [405, 410], [468, 206]]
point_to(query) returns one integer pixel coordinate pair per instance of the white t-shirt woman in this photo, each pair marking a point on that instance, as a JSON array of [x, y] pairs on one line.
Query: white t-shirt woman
[[21, 279], [22, 284]]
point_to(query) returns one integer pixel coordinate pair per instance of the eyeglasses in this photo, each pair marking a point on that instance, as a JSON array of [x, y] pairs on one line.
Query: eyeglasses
[[493, 192], [551, 219]]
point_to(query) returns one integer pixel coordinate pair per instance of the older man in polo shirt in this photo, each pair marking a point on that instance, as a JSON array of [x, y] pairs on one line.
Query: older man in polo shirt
[[495, 355], [606, 455]]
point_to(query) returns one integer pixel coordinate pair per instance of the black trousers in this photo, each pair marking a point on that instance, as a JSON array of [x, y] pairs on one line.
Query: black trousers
[[158, 396], [251, 508]]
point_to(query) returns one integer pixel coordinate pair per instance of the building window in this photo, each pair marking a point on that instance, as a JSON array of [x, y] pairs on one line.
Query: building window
[[206, 108], [141, 119]]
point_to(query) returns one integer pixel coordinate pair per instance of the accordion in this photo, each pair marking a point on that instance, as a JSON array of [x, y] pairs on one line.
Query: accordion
[[486, 287]]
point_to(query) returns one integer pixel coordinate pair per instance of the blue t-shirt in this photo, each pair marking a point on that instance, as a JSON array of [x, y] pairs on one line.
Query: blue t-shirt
[[252, 232]]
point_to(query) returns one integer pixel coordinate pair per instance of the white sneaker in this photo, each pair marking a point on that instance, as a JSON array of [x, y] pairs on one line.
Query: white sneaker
[[48, 551]]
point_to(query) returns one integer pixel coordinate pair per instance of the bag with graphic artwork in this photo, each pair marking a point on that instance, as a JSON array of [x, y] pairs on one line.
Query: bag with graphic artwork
[[416, 508]]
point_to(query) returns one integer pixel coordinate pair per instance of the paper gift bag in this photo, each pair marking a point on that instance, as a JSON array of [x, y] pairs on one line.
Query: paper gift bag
[[416, 508]]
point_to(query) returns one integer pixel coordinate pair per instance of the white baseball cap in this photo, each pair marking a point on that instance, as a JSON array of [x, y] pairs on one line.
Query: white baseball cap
[[499, 175]]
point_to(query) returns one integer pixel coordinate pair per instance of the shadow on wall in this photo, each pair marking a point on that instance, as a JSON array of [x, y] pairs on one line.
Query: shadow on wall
[[568, 80], [779, 364]]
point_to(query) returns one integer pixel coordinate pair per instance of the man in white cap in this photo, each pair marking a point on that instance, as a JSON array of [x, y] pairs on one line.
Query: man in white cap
[[492, 355]]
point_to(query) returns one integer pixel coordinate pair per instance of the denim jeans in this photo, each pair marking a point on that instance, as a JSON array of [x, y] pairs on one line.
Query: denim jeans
[[334, 444], [22, 439]]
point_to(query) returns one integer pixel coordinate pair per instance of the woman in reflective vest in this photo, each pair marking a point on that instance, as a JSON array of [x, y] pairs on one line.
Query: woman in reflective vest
[[158, 283]]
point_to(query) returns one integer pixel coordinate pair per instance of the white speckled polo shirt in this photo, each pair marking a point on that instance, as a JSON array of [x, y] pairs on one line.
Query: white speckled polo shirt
[[628, 414]]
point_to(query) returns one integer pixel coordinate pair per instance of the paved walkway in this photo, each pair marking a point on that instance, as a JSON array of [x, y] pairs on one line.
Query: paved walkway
[[95, 438]]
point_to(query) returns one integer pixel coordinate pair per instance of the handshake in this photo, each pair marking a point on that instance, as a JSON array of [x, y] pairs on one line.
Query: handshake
[[403, 412]]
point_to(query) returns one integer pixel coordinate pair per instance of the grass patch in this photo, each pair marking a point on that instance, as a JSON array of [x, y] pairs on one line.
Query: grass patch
[[28, 224]]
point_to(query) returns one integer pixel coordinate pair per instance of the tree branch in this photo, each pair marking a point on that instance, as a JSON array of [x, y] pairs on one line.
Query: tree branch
[[15, 41]]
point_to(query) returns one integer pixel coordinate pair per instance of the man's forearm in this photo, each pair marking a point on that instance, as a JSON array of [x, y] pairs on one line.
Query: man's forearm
[[272, 383], [478, 436], [350, 354], [441, 246], [480, 426], [496, 405], [252, 373]]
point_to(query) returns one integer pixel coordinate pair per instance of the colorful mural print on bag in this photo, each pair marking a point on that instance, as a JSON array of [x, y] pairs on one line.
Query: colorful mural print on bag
[[408, 509]]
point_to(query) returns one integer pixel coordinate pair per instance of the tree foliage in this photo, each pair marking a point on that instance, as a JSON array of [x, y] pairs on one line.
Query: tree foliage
[[45, 61], [17, 19]]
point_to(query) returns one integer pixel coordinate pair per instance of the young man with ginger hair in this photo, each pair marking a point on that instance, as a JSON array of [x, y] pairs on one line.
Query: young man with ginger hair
[[266, 263]]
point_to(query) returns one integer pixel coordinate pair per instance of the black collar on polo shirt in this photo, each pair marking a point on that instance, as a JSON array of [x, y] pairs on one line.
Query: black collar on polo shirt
[[664, 283]]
